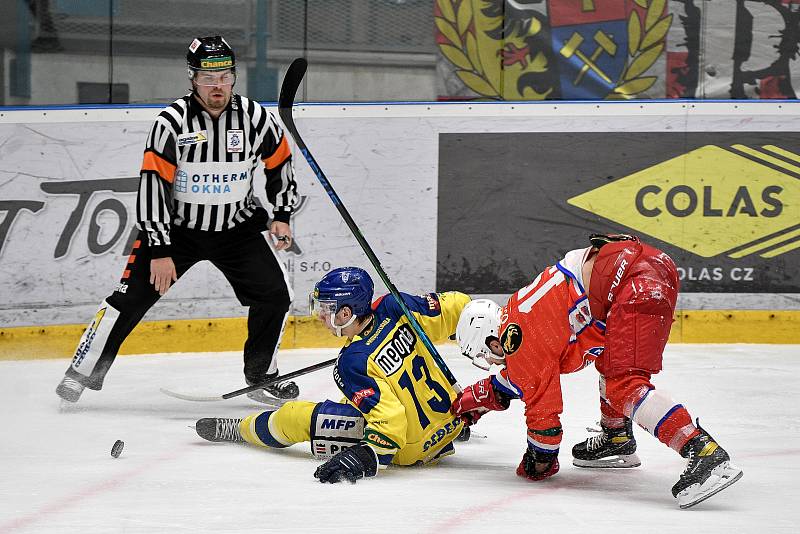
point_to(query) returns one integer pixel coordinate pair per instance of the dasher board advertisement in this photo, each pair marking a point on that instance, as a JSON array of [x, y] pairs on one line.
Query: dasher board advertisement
[[724, 205]]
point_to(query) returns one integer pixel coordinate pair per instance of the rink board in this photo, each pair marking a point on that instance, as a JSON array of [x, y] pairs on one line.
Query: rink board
[[470, 196], [156, 337]]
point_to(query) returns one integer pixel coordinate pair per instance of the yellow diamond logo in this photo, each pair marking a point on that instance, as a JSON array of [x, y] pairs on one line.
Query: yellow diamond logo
[[710, 201]]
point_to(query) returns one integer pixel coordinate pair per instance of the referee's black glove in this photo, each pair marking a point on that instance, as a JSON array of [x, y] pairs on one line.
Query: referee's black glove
[[358, 461]]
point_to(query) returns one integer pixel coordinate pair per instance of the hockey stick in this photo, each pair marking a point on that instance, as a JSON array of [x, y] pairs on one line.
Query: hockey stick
[[291, 82], [248, 389], [287, 376], [215, 398], [187, 397]]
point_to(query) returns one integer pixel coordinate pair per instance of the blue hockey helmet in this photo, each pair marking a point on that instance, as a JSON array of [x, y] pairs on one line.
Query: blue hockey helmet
[[345, 286]]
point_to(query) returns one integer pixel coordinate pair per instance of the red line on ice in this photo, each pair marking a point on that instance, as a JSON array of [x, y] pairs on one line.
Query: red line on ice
[[74, 499]]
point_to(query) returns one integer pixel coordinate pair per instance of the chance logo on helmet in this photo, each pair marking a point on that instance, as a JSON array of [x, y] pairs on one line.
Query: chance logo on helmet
[[216, 63]]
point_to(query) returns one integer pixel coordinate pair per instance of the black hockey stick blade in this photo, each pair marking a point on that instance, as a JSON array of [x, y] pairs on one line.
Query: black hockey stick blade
[[291, 82], [281, 378]]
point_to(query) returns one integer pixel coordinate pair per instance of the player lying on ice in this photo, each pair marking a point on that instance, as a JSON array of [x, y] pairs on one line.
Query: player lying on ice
[[611, 303], [397, 402]]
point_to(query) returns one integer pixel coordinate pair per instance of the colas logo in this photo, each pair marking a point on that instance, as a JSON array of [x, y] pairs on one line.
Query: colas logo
[[711, 201]]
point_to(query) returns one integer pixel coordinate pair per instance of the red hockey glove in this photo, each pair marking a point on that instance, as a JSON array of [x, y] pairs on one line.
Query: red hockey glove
[[478, 399], [538, 465]]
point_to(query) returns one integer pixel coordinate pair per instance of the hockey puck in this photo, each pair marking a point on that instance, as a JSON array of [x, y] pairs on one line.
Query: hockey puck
[[116, 450]]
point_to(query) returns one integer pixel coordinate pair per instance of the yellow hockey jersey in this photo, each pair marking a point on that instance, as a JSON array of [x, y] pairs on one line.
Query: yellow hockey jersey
[[391, 378]]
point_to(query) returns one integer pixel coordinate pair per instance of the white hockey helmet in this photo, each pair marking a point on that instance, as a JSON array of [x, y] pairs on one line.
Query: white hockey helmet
[[480, 320]]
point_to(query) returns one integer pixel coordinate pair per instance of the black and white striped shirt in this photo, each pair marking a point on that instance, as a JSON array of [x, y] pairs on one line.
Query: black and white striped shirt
[[197, 171]]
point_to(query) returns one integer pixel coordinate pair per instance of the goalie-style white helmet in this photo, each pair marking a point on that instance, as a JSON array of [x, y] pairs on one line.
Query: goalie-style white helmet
[[480, 319]]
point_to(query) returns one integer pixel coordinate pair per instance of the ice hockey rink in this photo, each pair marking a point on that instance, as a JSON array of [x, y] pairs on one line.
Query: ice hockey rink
[[57, 474]]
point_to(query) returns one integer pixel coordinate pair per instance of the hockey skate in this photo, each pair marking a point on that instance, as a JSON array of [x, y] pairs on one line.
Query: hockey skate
[[69, 389], [708, 470], [219, 429], [610, 448], [275, 394]]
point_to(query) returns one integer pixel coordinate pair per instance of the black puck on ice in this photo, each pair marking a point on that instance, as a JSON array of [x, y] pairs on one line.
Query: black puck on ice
[[116, 450]]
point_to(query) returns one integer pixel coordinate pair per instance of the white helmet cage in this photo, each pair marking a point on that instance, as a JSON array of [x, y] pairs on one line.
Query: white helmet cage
[[480, 320]]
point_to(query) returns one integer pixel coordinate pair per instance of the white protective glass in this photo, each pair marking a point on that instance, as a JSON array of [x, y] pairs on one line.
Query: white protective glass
[[321, 308]]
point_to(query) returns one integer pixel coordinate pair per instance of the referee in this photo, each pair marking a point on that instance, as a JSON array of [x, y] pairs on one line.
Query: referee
[[196, 203]]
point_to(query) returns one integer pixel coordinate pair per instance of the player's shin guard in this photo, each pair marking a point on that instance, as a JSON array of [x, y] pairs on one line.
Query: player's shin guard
[[285, 426], [93, 355], [668, 421]]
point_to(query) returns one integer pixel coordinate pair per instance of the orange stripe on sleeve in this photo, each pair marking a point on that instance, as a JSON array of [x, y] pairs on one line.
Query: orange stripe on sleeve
[[154, 162], [280, 155]]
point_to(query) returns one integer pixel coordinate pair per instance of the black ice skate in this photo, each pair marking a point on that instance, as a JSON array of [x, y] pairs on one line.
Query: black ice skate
[[610, 448], [708, 470], [69, 389], [219, 429], [275, 394]]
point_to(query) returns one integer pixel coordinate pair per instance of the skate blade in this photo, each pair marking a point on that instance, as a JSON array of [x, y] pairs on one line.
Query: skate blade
[[619, 461], [267, 400], [66, 406], [721, 477]]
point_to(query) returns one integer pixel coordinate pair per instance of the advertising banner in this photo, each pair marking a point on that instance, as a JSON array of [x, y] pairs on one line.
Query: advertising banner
[[68, 188], [469, 196], [724, 205]]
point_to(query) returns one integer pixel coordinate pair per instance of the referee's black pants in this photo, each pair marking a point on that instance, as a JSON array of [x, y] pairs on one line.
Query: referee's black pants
[[241, 254]]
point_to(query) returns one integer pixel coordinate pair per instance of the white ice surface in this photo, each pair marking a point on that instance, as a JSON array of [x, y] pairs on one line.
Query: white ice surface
[[57, 475]]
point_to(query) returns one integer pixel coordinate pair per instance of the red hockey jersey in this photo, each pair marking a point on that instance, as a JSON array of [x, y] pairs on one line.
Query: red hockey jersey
[[547, 330]]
